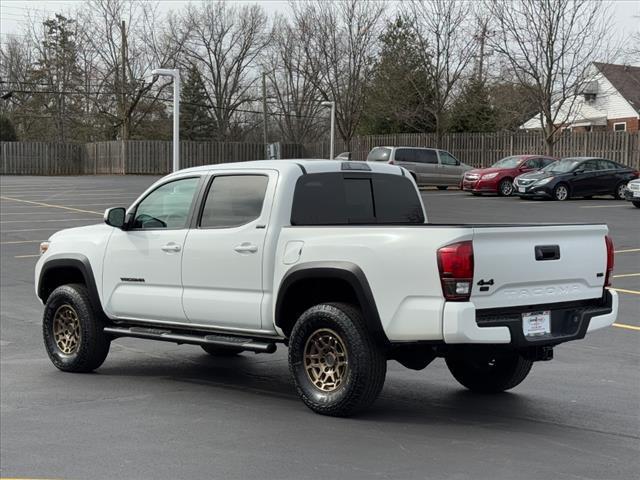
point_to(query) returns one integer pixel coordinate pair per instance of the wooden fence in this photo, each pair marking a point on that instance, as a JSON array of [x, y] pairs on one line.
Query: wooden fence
[[154, 157]]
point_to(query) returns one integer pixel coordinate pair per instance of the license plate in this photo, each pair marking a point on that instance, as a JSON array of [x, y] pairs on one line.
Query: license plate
[[521, 189], [636, 194], [535, 324]]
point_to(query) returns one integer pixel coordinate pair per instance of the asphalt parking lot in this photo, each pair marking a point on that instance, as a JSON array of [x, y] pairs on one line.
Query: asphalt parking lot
[[157, 410]]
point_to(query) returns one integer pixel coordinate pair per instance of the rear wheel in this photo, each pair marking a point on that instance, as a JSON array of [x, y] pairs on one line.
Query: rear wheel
[[337, 367], [442, 187], [561, 192], [619, 193], [221, 351], [73, 330], [488, 371], [505, 188]]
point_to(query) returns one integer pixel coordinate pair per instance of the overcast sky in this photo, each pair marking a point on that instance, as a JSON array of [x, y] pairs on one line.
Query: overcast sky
[[626, 13]]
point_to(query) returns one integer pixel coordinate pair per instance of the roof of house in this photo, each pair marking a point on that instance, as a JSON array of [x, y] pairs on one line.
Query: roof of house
[[625, 79]]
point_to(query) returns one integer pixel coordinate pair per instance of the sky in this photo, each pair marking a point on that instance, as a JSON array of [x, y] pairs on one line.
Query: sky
[[13, 13]]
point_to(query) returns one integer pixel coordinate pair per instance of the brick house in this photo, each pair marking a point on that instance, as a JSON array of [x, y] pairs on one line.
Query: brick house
[[610, 101]]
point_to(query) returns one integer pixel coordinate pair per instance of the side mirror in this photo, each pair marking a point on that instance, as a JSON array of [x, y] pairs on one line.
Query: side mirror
[[115, 217]]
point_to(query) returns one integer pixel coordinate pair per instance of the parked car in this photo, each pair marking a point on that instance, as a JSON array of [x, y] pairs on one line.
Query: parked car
[[632, 192], [428, 166], [498, 178], [247, 256], [576, 177], [343, 156]]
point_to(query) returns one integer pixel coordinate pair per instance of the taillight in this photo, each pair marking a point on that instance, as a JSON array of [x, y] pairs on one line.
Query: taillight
[[610, 255], [455, 263]]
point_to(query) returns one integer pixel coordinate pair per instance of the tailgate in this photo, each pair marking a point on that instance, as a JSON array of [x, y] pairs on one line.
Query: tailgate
[[537, 265]]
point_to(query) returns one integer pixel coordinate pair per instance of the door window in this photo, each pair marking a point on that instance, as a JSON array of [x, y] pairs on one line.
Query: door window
[[405, 155], [447, 159], [590, 166], [426, 156], [166, 207], [233, 200], [606, 165]]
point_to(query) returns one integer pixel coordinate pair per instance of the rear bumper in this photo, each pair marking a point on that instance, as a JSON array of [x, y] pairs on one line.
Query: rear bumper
[[463, 324]]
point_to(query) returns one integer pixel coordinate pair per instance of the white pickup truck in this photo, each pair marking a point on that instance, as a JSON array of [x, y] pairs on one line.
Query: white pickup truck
[[335, 260]]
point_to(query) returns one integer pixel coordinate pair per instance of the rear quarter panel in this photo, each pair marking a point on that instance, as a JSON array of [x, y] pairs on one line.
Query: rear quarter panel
[[399, 264]]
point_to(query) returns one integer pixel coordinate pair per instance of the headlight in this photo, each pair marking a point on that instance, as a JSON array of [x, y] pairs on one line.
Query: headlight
[[544, 181], [44, 246], [489, 176]]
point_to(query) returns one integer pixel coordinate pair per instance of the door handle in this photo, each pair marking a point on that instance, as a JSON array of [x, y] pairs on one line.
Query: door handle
[[246, 247], [171, 247]]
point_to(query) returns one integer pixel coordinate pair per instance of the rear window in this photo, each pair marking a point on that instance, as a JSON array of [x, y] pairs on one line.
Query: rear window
[[379, 154], [337, 198]]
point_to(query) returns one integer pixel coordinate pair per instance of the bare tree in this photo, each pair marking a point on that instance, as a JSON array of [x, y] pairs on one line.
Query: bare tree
[[339, 39], [120, 81], [295, 95], [445, 34], [549, 46], [226, 43]]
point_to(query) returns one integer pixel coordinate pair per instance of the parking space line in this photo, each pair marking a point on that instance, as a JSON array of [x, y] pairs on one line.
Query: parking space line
[[57, 220], [605, 206], [628, 327], [625, 275], [27, 256], [15, 242], [623, 290], [629, 250], [49, 205]]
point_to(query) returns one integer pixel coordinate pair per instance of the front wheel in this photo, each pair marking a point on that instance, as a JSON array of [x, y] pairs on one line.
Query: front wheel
[[73, 330], [505, 188], [636, 204], [619, 193], [337, 367], [561, 192], [488, 371]]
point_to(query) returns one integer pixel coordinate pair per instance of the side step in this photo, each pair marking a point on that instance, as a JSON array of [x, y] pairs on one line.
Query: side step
[[252, 345]]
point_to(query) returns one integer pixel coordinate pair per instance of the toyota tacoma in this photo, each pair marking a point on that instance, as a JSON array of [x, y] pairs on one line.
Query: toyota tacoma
[[334, 260]]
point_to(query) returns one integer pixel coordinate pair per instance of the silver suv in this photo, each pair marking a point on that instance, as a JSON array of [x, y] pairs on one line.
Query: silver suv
[[429, 166]]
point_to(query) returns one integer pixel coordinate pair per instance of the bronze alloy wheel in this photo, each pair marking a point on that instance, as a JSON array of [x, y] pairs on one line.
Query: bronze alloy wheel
[[66, 329], [325, 360]]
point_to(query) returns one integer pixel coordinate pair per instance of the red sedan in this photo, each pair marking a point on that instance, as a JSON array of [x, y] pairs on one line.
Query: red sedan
[[498, 178]]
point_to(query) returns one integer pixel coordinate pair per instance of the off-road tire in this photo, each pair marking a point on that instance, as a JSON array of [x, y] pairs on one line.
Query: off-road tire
[[558, 192], [366, 361], [505, 188], [489, 372], [215, 351], [93, 345]]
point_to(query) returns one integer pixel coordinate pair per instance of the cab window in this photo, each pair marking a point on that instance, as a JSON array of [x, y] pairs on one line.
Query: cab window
[[447, 159], [167, 207], [234, 200]]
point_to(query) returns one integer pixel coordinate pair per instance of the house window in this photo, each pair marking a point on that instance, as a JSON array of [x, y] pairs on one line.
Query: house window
[[620, 127]]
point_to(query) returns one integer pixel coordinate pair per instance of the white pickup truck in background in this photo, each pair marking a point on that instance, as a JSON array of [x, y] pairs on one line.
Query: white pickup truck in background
[[335, 260]]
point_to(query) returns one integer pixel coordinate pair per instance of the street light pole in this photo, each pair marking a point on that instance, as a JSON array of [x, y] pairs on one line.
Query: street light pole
[[175, 74], [333, 126]]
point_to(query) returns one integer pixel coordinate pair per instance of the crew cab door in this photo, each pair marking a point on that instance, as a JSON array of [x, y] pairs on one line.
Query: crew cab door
[[223, 255], [141, 274]]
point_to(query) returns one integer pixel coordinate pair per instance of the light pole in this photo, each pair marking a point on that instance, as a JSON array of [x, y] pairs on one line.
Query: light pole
[[333, 125], [175, 74]]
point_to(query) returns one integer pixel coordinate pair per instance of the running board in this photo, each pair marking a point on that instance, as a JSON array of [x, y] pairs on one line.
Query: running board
[[252, 345]]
